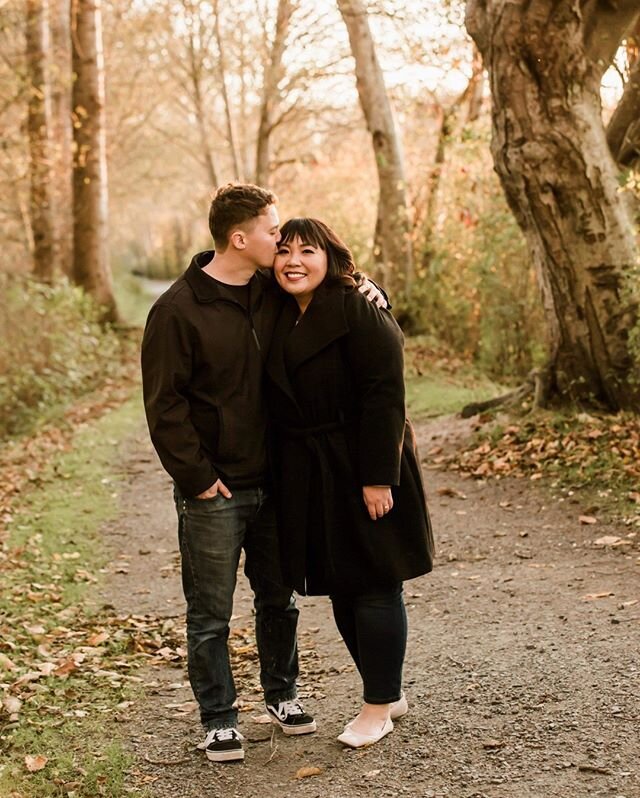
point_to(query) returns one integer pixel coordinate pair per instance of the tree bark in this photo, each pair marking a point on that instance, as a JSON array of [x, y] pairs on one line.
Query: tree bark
[[392, 246], [545, 61], [273, 74], [62, 130], [39, 132], [91, 269]]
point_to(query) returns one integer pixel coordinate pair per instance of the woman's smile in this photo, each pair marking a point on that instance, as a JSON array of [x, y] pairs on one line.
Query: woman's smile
[[300, 268]]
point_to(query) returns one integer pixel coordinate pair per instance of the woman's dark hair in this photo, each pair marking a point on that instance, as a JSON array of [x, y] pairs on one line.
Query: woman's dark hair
[[340, 264]]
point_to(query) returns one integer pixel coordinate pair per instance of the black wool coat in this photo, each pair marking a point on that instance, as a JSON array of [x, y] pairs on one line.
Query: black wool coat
[[336, 403]]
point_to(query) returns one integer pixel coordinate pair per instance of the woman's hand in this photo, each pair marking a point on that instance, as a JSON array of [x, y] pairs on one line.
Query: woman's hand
[[378, 500]]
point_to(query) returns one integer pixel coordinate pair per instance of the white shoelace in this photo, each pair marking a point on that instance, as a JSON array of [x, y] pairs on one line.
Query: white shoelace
[[222, 735], [292, 707]]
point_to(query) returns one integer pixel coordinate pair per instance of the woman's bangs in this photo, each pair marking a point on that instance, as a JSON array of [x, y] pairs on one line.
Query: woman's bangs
[[305, 230]]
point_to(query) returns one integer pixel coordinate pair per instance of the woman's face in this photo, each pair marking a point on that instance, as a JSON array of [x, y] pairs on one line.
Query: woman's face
[[299, 269]]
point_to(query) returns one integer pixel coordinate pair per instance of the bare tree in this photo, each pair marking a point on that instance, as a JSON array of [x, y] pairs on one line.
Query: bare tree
[[222, 77], [273, 74], [545, 61], [91, 268], [39, 133], [392, 236]]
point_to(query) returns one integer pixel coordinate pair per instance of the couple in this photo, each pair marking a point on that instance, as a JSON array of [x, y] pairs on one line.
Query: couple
[[322, 445]]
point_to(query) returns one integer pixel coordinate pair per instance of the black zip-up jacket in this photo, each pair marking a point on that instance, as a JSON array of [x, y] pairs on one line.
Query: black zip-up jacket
[[202, 376]]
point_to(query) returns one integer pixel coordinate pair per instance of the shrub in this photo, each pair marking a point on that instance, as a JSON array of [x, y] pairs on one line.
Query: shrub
[[52, 348], [475, 287]]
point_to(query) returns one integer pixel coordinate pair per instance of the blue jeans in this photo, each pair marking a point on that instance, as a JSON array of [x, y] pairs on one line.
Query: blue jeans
[[373, 626], [212, 533]]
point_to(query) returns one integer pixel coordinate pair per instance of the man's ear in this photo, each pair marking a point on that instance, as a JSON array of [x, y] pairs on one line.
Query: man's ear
[[237, 240]]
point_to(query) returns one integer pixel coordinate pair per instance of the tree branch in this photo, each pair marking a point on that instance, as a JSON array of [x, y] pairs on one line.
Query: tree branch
[[605, 25], [623, 131]]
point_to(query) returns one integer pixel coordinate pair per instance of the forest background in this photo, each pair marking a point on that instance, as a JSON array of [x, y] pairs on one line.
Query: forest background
[[119, 120], [480, 158]]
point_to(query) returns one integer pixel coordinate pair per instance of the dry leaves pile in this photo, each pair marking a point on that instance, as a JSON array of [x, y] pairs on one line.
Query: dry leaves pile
[[584, 449]]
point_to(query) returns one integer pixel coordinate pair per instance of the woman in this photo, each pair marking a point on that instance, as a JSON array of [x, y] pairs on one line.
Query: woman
[[354, 523]]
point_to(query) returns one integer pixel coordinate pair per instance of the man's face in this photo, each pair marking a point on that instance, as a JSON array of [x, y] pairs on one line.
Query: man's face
[[261, 239]]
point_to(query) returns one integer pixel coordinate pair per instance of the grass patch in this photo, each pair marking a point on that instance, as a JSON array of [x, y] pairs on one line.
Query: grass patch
[[57, 652], [439, 393], [437, 383]]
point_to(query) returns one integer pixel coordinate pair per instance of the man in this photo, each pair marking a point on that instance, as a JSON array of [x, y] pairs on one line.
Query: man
[[202, 369], [202, 379]]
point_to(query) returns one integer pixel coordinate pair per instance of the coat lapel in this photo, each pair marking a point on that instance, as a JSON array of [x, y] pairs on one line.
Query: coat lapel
[[323, 322], [275, 363]]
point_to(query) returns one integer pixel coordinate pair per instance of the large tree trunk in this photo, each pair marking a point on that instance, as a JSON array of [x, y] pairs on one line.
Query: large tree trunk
[[393, 236], [545, 60], [38, 127], [273, 73], [62, 130], [91, 268]]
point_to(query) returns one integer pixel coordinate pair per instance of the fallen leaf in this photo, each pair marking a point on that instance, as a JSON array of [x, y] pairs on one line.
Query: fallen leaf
[[587, 519], [454, 493], [35, 763], [35, 629], [98, 638], [304, 773], [6, 663], [261, 718], [11, 704], [67, 667]]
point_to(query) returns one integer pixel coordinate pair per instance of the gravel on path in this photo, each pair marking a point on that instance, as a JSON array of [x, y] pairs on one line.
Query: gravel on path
[[522, 671]]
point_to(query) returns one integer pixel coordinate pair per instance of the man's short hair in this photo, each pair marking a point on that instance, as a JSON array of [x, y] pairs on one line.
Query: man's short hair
[[233, 205]]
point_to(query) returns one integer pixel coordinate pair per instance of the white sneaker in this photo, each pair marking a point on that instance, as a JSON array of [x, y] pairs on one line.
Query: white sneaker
[[223, 745], [291, 717]]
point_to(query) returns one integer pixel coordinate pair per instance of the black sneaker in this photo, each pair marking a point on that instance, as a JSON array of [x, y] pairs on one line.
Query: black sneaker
[[291, 717], [223, 745]]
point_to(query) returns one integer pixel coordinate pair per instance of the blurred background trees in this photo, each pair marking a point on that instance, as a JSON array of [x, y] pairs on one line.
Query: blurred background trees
[[499, 206]]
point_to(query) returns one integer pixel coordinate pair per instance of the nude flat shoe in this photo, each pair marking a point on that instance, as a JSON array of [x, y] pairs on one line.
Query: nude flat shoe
[[398, 708], [355, 740]]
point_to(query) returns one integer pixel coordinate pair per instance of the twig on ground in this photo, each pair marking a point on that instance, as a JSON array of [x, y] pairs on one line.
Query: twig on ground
[[594, 769], [165, 761], [274, 748]]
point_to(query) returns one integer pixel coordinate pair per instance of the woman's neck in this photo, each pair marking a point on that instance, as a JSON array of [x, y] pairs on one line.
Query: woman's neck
[[303, 302]]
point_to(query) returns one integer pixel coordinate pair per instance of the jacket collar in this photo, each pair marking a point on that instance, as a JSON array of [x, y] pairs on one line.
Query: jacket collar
[[323, 322], [208, 289]]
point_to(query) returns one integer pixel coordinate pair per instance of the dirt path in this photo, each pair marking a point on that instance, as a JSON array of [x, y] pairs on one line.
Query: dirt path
[[523, 667]]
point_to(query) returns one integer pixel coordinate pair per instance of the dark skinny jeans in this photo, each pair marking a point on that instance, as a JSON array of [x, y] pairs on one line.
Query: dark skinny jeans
[[374, 627]]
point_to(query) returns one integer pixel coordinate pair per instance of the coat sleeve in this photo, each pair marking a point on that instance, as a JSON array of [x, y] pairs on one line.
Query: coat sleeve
[[166, 371], [374, 353]]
